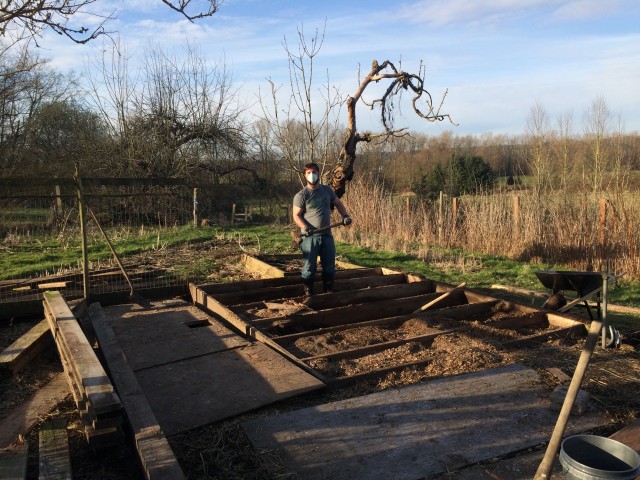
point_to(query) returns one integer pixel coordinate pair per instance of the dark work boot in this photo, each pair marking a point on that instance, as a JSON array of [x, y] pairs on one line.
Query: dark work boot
[[327, 285], [308, 286]]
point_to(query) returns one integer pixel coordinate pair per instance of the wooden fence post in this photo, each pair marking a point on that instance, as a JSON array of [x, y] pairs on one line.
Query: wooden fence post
[[82, 213], [454, 204], [195, 207], [233, 214], [602, 220], [440, 215], [516, 212]]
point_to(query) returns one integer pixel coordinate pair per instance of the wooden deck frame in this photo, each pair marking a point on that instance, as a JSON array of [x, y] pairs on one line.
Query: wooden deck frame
[[375, 298]]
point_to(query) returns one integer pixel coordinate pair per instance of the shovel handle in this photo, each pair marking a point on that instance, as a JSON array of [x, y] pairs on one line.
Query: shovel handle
[[322, 229]]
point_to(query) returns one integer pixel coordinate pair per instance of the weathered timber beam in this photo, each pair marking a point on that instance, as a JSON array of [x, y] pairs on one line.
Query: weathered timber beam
[[375, 293], [243, 285], [156, 456], [92, 377], [559, 333], [352, 314], [253, 264], [210, 304], [459, 312], [18, 355], [296, 289], [378, 347], [348, 379], [53, 450], [520, 321]]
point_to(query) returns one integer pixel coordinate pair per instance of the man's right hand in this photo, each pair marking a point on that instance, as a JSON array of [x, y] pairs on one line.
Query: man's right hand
[[306, 231]]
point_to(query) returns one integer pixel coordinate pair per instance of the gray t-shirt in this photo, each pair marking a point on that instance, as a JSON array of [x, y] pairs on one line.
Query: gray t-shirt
[[316, 205]]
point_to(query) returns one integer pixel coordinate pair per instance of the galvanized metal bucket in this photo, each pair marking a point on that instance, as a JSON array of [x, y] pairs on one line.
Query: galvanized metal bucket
[[590, 457]]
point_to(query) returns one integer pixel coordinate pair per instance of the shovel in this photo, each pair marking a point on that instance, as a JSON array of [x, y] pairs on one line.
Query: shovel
[[297, 236]]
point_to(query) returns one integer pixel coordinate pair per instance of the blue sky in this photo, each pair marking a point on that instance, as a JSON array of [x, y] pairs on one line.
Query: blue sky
[[496, 58]]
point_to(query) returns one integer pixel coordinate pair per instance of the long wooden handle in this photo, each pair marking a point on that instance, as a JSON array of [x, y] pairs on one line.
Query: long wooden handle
[[437, 300], [544, 470]]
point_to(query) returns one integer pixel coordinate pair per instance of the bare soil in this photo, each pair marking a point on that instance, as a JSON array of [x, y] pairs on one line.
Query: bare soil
[[222, 451]]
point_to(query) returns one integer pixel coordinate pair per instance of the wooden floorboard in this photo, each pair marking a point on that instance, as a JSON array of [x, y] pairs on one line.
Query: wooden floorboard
[[416, 431]]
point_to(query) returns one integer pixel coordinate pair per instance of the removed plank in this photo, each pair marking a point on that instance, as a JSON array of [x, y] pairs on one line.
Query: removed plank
[[18, 355], [53, 450], [22, 419]]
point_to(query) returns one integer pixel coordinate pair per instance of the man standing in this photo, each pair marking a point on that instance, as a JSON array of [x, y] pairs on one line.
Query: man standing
[[312, 211]]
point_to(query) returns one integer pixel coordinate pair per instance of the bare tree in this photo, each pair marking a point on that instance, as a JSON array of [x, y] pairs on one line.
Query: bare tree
[[26, 83], [537, 156], [303, 133], [398, 82], [181, 116], [597, 126], [34, 16]]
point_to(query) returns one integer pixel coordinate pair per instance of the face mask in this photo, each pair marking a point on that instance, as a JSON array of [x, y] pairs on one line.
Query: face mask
[[312, 178]]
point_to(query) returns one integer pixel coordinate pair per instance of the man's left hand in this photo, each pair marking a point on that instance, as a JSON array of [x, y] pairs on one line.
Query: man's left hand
[[346, 221]]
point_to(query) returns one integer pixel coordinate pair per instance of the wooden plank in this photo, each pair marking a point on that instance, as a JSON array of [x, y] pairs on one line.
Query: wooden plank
[[13, 462], [459, 312], [24, 417], [248, 285], [558, 333], [53, 450], [417, 431], [212, 305], [18, 355], [253, 264], [377, 347], [629, 435], [201, 390], [156, 456], [369, 294], [158, 336], [296, 289], [356, 313], [93, 380]]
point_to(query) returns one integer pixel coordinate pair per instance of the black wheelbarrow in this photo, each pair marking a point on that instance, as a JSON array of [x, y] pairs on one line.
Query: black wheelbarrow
[[585, 284]]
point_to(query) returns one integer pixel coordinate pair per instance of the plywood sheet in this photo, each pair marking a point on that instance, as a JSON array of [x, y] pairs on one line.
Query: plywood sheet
[[416, 431], [163, 335], [209, 388]]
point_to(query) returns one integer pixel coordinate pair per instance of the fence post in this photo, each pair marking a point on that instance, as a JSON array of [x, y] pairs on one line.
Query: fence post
[[195, 207], [82, 213], [516, 212], [440, 215], [454, 204], [602, 228], [233, 214]]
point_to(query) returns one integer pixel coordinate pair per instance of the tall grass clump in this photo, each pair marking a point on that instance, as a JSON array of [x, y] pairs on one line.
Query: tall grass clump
[[578, 230]]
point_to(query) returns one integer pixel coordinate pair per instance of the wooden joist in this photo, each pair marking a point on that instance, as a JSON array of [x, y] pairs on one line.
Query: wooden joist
[[156, 456], [18, 355], [53, 450], [358, 313], [99, 405], [210, 304]]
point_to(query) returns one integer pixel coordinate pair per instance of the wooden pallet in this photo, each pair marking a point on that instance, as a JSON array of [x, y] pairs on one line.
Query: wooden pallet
[[97, 402]]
